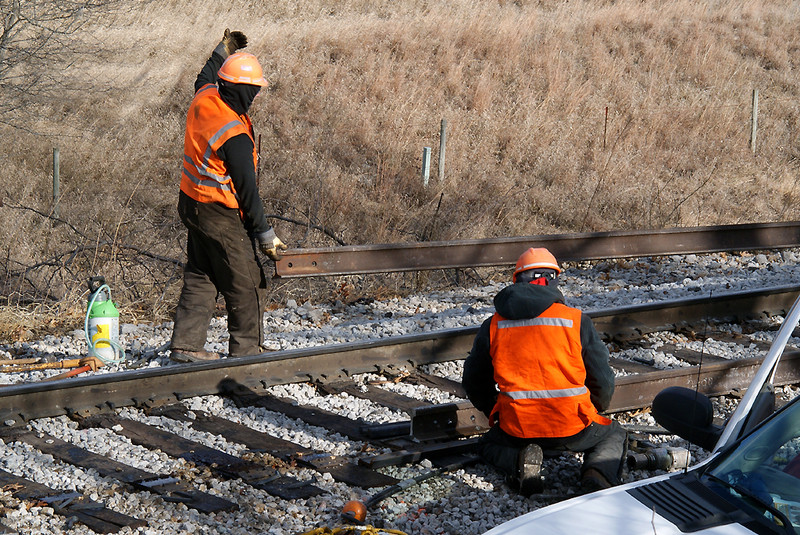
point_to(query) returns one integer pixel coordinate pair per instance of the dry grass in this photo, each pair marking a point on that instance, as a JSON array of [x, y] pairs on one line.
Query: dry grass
[[359, 88]]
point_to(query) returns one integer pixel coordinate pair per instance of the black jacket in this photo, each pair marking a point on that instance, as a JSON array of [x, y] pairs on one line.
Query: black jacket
[[522, 301], [237, 153]]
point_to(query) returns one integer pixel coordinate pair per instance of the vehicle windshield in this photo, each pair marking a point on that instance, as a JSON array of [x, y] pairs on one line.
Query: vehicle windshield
[[763, 471]]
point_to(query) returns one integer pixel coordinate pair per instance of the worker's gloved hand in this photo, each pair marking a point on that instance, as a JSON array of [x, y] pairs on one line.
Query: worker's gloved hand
[[231, 42], [271, 245]]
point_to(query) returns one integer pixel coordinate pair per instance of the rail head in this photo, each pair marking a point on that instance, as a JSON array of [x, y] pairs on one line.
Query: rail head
[[363, 259]]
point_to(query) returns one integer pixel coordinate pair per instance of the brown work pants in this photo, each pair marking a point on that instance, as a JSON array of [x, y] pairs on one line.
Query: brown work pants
[[221, 259]]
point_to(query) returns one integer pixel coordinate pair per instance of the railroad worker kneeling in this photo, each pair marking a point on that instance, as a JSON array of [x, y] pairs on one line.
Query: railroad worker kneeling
[[221, 209], [540, 372]]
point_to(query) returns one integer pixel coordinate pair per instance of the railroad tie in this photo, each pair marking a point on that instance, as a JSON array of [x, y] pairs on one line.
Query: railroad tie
[[69, 504], [341, 468], [171, 489], [312, 416], [220, 463]]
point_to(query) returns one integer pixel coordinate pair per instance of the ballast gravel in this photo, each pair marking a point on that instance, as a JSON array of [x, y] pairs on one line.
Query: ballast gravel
[[464, 502]]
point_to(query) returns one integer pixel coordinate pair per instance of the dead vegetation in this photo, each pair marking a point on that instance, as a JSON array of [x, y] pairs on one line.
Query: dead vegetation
[[561, 117]]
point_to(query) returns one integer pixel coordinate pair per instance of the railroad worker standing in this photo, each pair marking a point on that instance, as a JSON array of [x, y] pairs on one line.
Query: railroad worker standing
[[220, 206], [540, 373]]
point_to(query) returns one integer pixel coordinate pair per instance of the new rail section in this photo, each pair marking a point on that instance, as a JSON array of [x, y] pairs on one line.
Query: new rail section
[[359, 259]]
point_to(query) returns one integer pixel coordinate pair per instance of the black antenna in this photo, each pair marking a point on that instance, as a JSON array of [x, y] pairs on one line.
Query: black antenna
[[699, 372]]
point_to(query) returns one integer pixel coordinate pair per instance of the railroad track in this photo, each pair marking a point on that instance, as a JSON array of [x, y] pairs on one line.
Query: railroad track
[[148, 387], [439, 433]]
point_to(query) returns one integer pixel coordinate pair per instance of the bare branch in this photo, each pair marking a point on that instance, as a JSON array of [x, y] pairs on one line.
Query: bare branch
[[38, 41], [322, 229]]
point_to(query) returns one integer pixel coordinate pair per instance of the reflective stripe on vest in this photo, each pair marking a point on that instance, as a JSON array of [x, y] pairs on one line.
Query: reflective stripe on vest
[[209, 124], [553, 322], [540, 373], [544, 394]]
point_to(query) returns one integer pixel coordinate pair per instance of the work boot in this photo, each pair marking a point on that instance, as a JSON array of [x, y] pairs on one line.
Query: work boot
[[529, 464], [182, 355], [592, 480]]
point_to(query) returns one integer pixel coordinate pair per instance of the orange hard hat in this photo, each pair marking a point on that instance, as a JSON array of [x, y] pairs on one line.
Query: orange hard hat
[[539, 258], [242, 68]]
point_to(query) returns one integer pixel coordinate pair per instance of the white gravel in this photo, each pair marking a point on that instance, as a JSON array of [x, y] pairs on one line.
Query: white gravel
[[463, 502]]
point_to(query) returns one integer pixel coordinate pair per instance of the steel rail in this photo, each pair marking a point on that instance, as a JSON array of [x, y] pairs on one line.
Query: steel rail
[[635, 320], [453, 420], [148, 387], [711, 379], [362, 259]]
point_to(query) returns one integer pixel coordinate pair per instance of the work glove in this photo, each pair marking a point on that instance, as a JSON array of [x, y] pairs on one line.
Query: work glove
[[271, 245], [231, 42]]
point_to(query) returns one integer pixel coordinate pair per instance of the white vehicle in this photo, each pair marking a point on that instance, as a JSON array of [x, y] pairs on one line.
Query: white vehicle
[[749, 484]]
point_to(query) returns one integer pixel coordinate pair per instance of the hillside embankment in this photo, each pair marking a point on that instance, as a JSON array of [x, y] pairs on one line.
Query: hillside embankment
[[558, 117]]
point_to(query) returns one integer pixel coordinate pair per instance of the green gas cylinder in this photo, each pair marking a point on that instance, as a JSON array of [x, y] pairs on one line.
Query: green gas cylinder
[[102, 321]]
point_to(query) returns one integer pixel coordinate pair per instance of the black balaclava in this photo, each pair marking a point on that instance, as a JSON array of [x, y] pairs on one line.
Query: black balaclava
[[238, 96]]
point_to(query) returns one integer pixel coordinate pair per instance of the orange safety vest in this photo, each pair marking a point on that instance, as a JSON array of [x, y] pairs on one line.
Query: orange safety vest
[[209, 124], [540, 373]]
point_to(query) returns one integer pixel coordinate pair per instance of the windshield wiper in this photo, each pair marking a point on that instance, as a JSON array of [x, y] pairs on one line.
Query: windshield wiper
[[747, 493]]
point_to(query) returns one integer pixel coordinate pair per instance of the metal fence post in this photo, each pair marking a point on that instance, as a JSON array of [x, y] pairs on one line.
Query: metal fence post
[[442, 140], [56, 178], [754, 122], [426, 165]]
